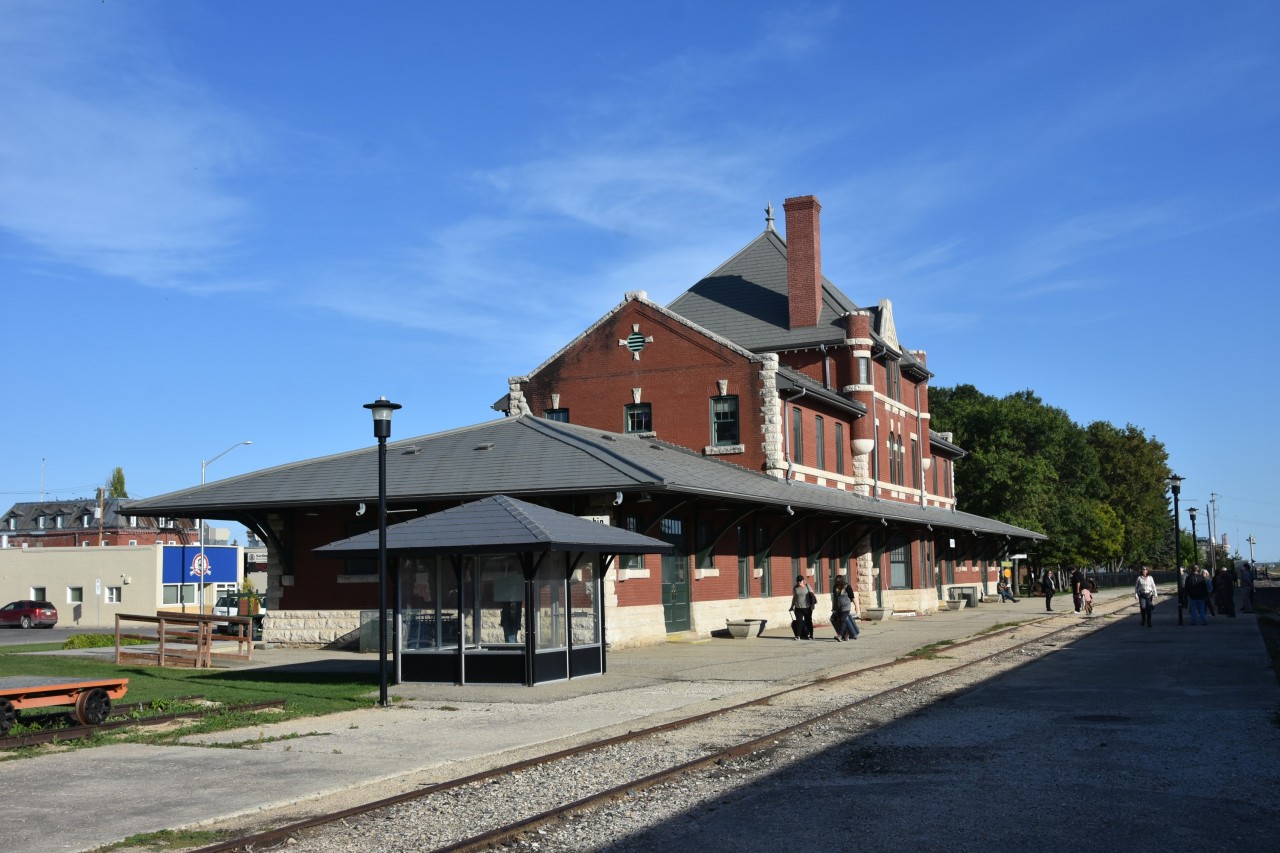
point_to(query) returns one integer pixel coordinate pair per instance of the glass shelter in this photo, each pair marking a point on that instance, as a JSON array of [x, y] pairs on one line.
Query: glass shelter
[[499, 592]]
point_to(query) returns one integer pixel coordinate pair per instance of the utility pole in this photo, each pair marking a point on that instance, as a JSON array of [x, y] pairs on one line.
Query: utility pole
[[1251, 542], [1213, 535]]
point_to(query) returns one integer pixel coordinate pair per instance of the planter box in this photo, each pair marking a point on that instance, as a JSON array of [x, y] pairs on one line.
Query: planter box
[[876, 614], [956, 603], [745, 629]]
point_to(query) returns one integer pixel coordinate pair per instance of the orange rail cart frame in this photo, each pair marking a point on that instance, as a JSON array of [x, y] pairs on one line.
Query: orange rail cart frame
[[91, 697]]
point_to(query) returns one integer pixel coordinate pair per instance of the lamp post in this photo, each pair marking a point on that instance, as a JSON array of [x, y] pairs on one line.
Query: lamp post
[[1195, 543], [1175, 485], [204, 563], [382, 409]]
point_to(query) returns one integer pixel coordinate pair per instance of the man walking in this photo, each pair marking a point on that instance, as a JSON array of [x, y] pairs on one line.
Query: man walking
[[1077, 588], [1197, 588]]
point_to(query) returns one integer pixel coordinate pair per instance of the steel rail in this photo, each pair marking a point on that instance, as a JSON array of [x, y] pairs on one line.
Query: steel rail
[[265, 839]]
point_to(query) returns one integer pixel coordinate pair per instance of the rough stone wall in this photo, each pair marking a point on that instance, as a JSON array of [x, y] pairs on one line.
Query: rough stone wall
[[312, 628]]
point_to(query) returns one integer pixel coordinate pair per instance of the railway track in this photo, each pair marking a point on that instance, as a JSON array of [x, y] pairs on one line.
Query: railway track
[[530, 800]]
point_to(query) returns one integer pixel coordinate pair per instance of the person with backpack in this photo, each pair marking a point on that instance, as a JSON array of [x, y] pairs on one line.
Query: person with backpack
[[1197, 590]]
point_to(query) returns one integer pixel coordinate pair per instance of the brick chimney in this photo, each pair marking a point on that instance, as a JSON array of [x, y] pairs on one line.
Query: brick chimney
[[804, 261]]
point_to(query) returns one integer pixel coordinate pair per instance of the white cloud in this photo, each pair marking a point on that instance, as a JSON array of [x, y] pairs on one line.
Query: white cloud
[[109, 158]]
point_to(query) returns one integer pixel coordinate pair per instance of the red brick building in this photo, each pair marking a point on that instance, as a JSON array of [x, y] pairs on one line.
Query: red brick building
[[762, 423]]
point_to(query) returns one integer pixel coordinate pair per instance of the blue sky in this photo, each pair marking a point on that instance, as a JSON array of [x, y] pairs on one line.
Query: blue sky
[[227, 221]]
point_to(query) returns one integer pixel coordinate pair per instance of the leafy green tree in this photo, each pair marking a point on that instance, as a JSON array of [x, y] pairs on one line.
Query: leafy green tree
[[115, 484], [1134, 488]]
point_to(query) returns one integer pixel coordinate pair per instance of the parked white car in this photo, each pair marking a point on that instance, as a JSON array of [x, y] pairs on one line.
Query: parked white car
[[229, 605]]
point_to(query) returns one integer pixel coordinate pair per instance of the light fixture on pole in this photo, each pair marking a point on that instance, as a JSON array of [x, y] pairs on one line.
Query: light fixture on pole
[[382, 409], [1175, 485], [204, 562], [1195, 543]]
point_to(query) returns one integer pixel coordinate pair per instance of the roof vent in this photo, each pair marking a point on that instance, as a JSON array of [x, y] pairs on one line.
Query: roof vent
[[488, 445], [607, 437], [411, 450]]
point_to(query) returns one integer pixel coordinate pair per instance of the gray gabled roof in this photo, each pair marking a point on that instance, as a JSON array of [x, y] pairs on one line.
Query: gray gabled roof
[[498, 525], [532, 457], [745, 300]]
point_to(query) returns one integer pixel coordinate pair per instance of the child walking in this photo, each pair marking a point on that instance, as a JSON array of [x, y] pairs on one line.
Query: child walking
[[1086, 600]]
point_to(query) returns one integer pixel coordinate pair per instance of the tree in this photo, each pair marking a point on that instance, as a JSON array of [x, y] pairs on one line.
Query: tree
[[115, 484]]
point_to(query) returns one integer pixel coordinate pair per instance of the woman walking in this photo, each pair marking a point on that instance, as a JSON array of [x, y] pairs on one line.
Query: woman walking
[[802, 601], [844, 611], [1145, 591]]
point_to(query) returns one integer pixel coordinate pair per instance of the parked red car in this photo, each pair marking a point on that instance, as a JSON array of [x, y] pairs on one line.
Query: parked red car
[[29, 614]]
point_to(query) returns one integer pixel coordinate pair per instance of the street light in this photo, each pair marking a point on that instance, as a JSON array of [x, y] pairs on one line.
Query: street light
[[204, 563], [1175, 485], [382, 410]]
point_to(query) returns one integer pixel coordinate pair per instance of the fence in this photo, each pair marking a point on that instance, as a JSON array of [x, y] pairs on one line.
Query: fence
[[182, 639]]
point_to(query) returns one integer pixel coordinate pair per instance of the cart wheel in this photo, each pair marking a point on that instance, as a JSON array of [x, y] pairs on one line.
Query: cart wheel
[[93, 707], [26, 622], [8, 716]]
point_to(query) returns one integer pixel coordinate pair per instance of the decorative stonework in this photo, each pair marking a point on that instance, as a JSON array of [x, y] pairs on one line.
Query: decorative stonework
[[724, 450], [635, 341], [775, 460], [517, 405]]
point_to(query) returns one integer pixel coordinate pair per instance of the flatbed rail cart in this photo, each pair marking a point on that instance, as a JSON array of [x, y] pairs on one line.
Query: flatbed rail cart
[[91, 697]]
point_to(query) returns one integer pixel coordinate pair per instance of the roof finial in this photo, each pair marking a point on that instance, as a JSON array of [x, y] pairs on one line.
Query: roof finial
[[768, 217]]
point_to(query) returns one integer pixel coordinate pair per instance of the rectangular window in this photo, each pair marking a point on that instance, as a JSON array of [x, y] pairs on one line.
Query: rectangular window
[[185, 593], [936, 466], [915, 462], [75, 595], [133, 542], [57, 522], [864, 370], [561, 415], [114, 594], [762, 559], [38, 593], [638, 417], [706, 558], [40, 523], [839, 448], [744, 562], [819, 442], [631, 561], [893, 458], [899, 563], [724, 421], [797, 437]]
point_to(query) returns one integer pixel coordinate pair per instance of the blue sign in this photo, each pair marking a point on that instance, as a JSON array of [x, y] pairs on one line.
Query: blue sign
[[179, 561]]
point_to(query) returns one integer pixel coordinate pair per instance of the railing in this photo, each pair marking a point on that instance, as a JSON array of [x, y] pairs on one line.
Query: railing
[[182, 639]]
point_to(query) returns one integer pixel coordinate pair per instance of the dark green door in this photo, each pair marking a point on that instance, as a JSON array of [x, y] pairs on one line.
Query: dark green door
[[675, 577]]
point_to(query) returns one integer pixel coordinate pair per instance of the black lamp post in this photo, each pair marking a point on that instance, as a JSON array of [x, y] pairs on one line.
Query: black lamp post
[[1175, 485], [382, 409]]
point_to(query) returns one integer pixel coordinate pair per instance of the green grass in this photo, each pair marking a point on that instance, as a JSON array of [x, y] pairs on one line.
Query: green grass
[[930, 652], [304, 694]]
